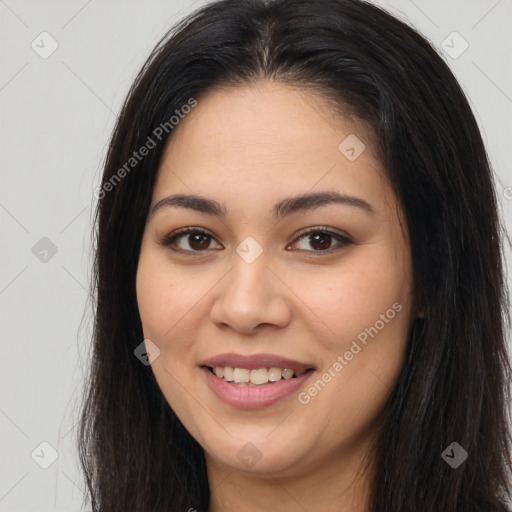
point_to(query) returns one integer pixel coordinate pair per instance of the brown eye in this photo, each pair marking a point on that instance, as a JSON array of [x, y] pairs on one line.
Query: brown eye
[[321, 240], [188, 240], [196, 240], [199, 241]]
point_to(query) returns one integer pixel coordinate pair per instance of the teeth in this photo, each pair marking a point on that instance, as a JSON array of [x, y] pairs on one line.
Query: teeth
[[259, 376], [228, 373], [241, 375], [255, 377], [287, 374], [274, 374]]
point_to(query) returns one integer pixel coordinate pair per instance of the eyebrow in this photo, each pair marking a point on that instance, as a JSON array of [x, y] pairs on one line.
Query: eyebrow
[[283, 208]]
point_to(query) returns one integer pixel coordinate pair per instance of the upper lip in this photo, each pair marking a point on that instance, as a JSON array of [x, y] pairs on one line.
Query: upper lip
[[255, 361]]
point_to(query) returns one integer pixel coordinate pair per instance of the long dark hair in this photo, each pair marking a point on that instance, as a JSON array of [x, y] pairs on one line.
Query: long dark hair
[[455, 381]]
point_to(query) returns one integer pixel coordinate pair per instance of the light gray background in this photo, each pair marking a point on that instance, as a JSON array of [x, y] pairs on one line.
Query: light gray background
[[56, 118]]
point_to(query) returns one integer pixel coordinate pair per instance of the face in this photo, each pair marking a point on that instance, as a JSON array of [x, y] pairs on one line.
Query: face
[[319, 287]]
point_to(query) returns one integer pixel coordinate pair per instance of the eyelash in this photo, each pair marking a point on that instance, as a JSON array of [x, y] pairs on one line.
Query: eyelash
[[343, 240]]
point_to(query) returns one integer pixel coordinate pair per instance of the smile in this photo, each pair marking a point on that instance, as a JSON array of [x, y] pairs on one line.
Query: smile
[[257, 377], [247, 395]]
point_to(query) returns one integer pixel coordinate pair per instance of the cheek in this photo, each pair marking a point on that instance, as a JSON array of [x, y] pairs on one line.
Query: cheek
[[164, 303], [354, 296], [172, 306], [365, 305], [153, 297], [161, 298]]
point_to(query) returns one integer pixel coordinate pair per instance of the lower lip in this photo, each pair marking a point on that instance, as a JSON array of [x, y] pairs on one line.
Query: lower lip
[[250, 397]]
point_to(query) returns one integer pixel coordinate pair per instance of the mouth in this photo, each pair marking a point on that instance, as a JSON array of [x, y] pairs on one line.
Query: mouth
[[257, 376], [254, 381]]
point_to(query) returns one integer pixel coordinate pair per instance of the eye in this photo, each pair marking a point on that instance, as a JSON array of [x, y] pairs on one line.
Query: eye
[[197, 239], [321, 239]]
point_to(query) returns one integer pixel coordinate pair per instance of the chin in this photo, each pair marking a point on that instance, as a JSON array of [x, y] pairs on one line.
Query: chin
[[257, 452]]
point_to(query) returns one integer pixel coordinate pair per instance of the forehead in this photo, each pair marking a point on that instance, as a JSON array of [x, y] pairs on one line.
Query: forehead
[[268, 119], [271, 140]]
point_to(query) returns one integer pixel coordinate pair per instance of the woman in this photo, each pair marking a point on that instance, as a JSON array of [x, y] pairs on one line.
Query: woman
[[299, 275]]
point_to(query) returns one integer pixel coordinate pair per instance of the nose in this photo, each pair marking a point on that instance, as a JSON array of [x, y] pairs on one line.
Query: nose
[[251, 296]]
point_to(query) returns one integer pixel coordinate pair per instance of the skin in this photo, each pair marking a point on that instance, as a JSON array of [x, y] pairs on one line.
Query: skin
[[248, 148]]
